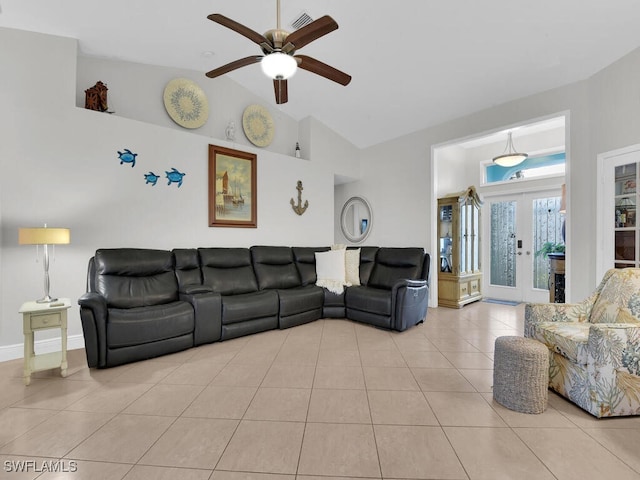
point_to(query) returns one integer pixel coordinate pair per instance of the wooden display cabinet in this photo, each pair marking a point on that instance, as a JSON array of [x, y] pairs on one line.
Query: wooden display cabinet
[[459, 273]]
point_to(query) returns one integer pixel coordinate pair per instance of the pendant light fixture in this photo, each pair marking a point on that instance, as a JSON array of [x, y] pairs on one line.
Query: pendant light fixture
[[277, 64], [510, 157]]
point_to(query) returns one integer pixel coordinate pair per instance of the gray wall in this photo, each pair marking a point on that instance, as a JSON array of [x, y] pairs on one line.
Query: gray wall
[[60, 167]]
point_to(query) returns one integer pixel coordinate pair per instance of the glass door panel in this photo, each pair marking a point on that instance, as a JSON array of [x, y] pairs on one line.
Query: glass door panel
[[547, 227], [463, 240], [625, 247], [503, 244]]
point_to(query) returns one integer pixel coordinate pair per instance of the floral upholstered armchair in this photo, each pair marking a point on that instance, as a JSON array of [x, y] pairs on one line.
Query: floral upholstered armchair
[[594, 345]]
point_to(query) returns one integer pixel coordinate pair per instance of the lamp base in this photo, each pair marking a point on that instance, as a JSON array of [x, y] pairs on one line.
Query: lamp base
[[46, 299]]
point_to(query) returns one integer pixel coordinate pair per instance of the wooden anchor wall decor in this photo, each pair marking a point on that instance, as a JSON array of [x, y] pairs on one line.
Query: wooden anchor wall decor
[[299, 208]]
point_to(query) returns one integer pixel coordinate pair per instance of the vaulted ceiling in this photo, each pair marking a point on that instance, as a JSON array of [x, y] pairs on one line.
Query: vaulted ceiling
[[414, 63]]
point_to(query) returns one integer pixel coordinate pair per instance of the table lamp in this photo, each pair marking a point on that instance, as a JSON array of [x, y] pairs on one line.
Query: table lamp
[[44, 236]]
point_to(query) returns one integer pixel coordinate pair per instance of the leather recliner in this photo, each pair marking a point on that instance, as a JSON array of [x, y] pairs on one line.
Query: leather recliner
[[245, 308], [275, 270], [395, 295], [133, 309]]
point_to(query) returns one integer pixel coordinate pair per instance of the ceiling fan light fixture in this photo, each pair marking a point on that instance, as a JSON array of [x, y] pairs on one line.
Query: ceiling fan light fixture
[[278, 65], [510, 158]]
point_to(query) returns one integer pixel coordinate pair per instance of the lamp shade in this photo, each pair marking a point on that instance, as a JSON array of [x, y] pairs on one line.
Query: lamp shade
[[44, 236], [278, 66], [510, 158]]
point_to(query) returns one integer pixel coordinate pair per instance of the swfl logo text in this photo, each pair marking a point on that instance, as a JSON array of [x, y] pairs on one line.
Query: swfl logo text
[[58, 466]]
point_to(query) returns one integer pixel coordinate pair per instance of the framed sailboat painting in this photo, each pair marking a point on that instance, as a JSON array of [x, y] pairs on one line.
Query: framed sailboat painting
[[233, 200]]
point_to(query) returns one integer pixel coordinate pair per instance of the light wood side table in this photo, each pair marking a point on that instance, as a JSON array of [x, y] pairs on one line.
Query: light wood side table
[[42, 316]]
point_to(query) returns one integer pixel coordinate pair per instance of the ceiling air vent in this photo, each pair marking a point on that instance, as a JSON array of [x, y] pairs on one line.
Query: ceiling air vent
[[302, 20]]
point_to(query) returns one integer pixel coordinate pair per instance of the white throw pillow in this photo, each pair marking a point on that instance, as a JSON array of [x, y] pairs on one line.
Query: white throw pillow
[[352, 267], [330, 270]]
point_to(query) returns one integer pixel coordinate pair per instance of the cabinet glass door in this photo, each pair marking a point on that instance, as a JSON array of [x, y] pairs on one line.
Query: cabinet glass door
[[445, 240], [626, 231], [469, 238]]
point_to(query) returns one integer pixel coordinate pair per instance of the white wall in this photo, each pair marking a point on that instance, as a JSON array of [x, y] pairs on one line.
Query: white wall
[[60, 166], [603, 114], [136, 92], [397, 175]]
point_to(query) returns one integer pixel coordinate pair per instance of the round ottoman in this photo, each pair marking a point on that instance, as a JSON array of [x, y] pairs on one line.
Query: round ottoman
[[521, 374]]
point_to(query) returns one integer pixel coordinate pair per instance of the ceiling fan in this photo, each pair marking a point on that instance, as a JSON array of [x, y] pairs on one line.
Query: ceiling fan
[[279, 47]]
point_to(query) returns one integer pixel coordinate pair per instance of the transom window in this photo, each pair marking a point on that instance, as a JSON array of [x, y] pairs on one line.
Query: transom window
[[533, 167]]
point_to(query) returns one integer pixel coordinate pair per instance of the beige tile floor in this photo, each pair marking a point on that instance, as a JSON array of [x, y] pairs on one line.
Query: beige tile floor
[[325, 400]]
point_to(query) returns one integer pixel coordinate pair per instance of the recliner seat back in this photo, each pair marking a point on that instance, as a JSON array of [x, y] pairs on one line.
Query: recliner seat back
[[305, 258], [393, 264], [367, 262], [274, 267], [188, 270], [228, 271], [129, 277]]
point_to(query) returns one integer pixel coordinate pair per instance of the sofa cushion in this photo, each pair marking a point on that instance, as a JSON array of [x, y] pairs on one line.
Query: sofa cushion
[[369, 299], [228, 271], [305, 259], [249, 306], [619, 300], [187, 267], [131, 277], [569, 339], [393, 264], [300, 299], [367, 262], [274, 267], [135, 326]]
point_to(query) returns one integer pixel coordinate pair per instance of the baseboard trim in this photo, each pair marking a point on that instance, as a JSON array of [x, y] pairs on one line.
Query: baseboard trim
[[11, 352]]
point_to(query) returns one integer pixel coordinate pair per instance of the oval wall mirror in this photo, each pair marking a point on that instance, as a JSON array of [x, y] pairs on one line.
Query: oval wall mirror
[[356, 219]]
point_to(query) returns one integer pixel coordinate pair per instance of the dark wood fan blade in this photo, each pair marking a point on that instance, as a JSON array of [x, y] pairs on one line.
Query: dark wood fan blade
[[243, 62], [282, 95], [241, 29], [316, 66], [309, 33]]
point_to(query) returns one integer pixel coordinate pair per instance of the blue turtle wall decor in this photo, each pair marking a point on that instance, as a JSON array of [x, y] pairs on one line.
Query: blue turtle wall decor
[[127, 157], [151, 178], [174, 176]]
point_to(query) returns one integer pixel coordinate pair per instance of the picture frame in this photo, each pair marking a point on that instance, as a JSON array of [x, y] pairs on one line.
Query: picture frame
[[233, 199]]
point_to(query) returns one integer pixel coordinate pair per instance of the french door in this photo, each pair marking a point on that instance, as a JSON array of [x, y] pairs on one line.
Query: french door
[[515, 228]]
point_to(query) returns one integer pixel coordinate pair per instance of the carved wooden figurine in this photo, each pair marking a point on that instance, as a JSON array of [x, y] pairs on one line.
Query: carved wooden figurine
[[96, 97]]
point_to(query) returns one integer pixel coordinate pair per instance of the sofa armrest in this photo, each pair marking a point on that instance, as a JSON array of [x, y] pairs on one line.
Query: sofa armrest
[[553, 312], [613, 367], [617, 344], [207, 310], [93, 315], [409, 303]]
